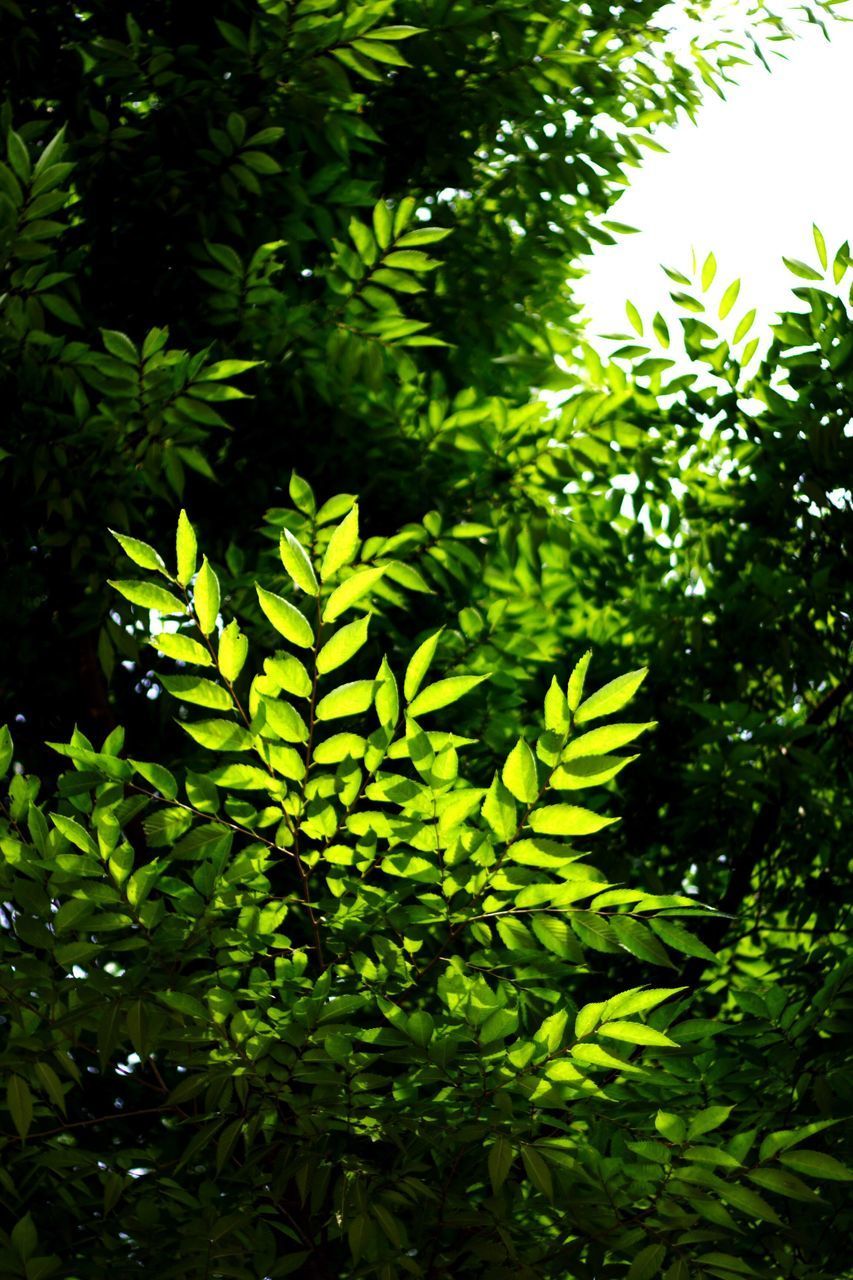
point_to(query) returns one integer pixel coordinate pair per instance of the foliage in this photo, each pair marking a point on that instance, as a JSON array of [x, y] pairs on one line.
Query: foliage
[[332, 981], [365, 290]]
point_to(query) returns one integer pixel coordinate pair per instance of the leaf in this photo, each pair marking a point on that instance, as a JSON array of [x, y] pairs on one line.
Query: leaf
[[349, 699], [181, 648], [6, 749], [200, 692], [707, 1120], [343, 645], [20, 1103], [744, 325], [636, 1033], [298, 564], [289, 674], [501, 1157], [419, 665], [286, 618], [148, 596], [556, 936], [783, 1183], [671, 1127], [219, 735], [638, 939], [519, 773], [609, 737], [206, 598], [284, 720], [611, 697], [351, 591], [634, 317], [537, 1171], [677, 937], [728, 299], [647, 1262], [637, 1000], [343, 545], [77, 835], [420, 1027], [576, 681], [443, 693], [51, 1084], [590, 771], [709, 270], [233, 651], [814, 1164], [159, 777], [567, 820], [186, 548], [139, 552], [802, 269], [499, 810], [749, 1202]]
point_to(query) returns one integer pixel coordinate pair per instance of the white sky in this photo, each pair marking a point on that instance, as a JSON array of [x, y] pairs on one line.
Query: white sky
[[746, 181]]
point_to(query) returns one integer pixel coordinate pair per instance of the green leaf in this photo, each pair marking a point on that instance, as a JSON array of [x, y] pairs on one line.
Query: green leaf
[[119, 345], [219, 735], [707, 1120], [728, 299], [636, 1033], [6, 750], [634, 317], [744, 325], [537, 1171], [181, 648], [802, 269], [351, 591], [302, 495], [52, 1085], [72, 831], [347, 700], [671, 1127], [611, 697], [783, 1183], [200, 692], [285, 721], [501, 1157], [298, 564], [589, 771], [637, 1000], [343, 545], [709, 270], [20, 1103], [206, 598], [749, 1202], [567, 820], [186, 548], [343, 645], [420, 1027], [158, 776], [148, 596], [383, 224], [419, 665], [597, 742], [815, 1164], [443, 693], [499, 810], [677, 937], [140, 552], [639, 940], [286, 618], [647, 1263], [519, 773], [233, 651], [289, 674], [576, 681]]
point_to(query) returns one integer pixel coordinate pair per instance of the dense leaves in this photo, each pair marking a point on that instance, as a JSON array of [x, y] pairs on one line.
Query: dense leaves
[[396, 933]]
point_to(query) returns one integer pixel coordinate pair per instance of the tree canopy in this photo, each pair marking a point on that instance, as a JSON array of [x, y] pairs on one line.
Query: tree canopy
[[334, 552]]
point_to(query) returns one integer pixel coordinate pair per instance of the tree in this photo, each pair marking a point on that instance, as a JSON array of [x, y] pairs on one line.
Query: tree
[[158, 903]]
